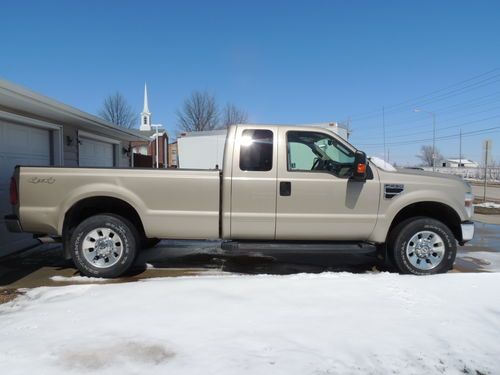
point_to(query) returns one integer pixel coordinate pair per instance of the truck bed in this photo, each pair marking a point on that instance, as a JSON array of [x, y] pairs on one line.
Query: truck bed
[[172, 203]]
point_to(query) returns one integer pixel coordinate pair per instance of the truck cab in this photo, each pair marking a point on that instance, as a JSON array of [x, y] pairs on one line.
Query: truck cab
[[286, 183]]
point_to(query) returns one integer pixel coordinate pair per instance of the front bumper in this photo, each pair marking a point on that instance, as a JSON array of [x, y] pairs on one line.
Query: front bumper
[[13, 224], [467, 230]]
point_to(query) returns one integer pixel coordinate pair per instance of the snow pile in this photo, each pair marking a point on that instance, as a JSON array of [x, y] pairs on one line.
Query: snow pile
[[300, 324], [488, 205], [382, 164], [77, 279]]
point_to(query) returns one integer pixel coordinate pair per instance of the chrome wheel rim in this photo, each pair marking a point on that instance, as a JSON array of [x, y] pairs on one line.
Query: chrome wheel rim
[[425, 250], [102, 247]]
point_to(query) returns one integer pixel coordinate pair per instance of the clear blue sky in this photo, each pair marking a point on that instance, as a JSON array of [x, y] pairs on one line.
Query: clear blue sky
[[282, 61]]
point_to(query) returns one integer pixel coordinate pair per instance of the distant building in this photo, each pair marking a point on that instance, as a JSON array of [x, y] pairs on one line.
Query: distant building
[[459, 163], [172, 155]]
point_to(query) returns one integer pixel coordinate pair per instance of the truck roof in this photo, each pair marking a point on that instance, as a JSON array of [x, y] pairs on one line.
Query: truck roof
[[320, 125]]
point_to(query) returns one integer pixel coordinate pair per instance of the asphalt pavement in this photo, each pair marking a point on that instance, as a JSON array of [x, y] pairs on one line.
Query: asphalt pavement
[[492, 192], [45, 266]]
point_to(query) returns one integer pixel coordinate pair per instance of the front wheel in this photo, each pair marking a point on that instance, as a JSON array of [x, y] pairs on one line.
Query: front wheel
[[104, 246], [422, 246]]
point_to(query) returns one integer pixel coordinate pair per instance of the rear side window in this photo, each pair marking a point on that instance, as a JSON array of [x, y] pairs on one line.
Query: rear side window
[[256, 150]]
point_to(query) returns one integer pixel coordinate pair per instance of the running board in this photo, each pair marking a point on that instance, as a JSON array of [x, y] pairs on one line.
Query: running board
[[341, 248], [47, 239]]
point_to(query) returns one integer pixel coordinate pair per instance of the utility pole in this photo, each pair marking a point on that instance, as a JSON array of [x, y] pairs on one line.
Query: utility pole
[[383, 130], [460, 150], [433, 142], [349, 130], [487, 146], [157, 160]]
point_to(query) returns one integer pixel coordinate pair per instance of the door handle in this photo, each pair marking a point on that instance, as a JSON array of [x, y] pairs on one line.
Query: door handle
[[285, 188]]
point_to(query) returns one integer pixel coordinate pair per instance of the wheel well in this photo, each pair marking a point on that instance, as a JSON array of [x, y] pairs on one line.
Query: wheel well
[[435, 210], [98, 205]]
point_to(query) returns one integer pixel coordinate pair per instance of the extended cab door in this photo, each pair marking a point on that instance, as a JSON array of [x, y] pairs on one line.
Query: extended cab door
[[253, 185], [316, 198]]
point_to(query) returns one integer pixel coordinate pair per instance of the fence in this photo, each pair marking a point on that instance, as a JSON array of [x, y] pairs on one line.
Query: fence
[[142, 161], [492, 173]]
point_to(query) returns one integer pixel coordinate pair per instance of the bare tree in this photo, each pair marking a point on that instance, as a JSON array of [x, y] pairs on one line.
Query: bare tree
[[426, 155], [116, 110], [199, 112], [232, 115]]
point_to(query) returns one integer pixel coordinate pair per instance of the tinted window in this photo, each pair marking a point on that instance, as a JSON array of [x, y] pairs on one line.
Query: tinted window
[[312, 151], [256, 150]]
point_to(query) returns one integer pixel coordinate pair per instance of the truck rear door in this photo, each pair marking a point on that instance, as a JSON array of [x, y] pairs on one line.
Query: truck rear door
[[253, 191]]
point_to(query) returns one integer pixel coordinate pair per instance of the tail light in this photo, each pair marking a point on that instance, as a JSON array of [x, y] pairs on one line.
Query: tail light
[[14, 197]]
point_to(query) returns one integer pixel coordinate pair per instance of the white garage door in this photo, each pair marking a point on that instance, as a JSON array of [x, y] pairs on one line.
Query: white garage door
[[23, 145], [93, 153]]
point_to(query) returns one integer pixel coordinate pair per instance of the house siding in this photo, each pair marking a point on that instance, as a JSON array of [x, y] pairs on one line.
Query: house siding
[[71, 151], [124, 159]]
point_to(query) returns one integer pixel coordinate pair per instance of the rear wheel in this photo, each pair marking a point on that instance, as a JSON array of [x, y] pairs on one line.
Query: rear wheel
[[104, 246], [422, 246]]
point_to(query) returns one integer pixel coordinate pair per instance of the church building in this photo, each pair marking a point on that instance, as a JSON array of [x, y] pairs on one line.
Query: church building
[[155, 152]]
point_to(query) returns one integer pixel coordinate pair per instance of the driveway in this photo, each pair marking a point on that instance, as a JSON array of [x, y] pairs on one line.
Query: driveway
[[44, 266]]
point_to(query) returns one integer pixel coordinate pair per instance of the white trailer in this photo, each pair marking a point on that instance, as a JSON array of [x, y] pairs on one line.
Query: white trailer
[[205, 149], [201, 150]]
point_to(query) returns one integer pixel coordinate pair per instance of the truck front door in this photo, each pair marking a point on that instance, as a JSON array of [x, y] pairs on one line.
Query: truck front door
[[316, 198], [253, 185]]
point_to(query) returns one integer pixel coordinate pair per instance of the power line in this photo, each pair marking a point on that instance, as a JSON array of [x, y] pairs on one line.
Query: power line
[[426, 103], [435, 91], [458, 91], [457, 84], [455, 107], [445, 137], [441, 128], [442, 111]]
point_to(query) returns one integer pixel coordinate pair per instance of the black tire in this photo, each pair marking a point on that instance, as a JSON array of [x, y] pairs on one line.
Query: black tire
[[147, 243], [408, 258], [124, 234]]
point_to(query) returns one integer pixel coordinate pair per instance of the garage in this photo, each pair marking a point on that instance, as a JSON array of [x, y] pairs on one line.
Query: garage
[[19, 144], [37, 130], [95, 152]]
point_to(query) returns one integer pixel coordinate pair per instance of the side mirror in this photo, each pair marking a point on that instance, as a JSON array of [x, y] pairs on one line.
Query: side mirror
[[359, 173]]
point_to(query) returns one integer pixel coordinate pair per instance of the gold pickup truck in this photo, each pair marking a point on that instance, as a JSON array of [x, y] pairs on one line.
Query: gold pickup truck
[[281, 187]]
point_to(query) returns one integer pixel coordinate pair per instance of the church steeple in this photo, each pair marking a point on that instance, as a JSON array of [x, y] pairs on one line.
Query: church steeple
[[145, 114], [146, 109]]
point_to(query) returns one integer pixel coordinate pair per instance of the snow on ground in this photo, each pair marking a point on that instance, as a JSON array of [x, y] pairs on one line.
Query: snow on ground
[[78, 279], [488, 205], [330, 323]]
